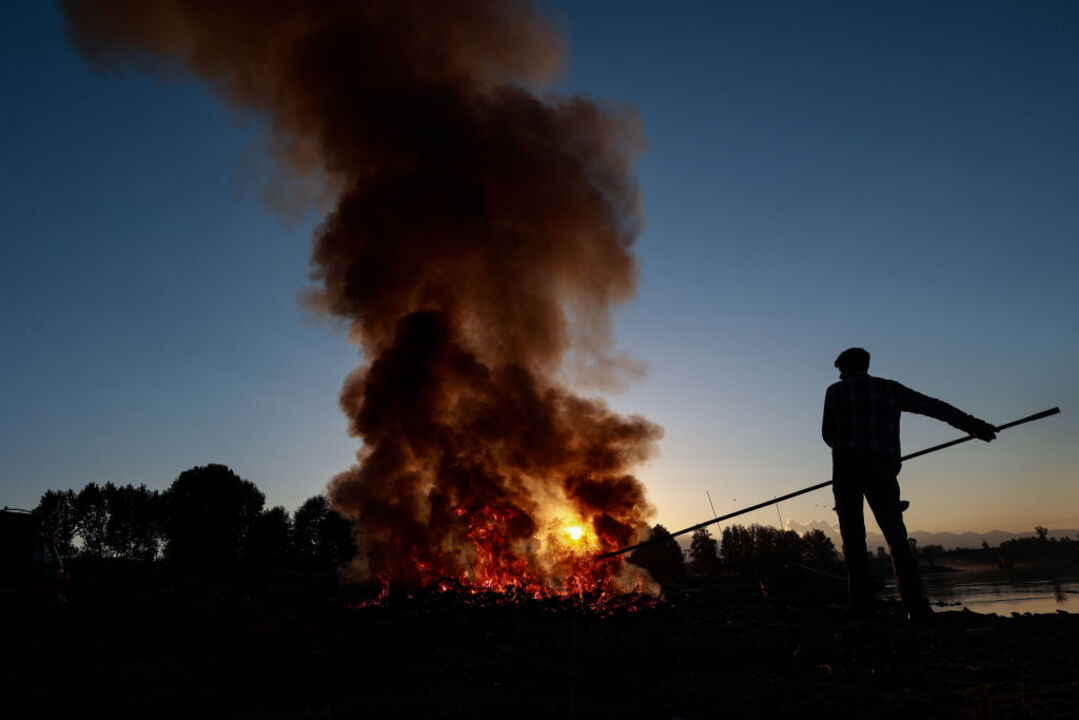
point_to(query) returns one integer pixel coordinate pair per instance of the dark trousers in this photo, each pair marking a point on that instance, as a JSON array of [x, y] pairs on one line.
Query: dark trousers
[[854, 479]]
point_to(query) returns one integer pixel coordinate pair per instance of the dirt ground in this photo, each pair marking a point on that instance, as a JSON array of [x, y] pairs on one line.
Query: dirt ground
[[155, 643]]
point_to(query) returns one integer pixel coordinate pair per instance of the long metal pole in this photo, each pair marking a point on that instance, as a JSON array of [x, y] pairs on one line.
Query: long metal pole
[[818, 486]]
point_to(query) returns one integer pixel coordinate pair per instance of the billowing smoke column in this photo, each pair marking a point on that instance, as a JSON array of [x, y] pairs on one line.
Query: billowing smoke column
[[480, 238]]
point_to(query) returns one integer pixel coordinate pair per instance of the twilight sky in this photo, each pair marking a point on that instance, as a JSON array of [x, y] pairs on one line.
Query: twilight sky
[[904, 177]]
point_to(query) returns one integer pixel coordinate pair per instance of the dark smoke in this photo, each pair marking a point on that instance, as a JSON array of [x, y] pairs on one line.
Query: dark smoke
[[480, 239]]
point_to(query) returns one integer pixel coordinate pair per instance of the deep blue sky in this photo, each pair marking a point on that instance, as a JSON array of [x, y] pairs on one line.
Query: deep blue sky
[[901, 176]]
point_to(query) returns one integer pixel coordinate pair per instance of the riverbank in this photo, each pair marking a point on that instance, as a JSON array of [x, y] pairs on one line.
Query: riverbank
[[281, 646]]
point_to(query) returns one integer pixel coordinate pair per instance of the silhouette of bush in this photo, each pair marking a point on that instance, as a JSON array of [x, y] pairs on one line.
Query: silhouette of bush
[[663, 560], [209, 512]]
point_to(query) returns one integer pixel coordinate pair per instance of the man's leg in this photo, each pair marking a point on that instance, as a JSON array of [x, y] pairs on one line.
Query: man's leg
[[848, 505], [883, 497]]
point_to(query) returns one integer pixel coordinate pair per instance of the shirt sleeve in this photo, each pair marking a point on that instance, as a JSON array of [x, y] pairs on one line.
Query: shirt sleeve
[[827, 429], [915, 402]]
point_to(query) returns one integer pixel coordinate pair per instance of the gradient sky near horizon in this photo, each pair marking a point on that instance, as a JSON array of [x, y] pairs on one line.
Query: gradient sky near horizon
[[898, 176]]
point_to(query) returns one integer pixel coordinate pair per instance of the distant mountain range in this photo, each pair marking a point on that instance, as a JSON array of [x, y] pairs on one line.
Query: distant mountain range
[[948, 540]]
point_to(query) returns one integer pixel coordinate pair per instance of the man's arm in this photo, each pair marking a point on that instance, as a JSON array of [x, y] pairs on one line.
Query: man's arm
[[827, 428], [915, 402]]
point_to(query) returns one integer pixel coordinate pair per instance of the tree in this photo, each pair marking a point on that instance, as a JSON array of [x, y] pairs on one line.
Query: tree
[[663, 560], [321, 534], [1042, 532], [818, 548], [92, 517], [760, 548], [305, 525], [56, 515], [209, 511], [132, 528], [737, 549], [106, 520], [788, 547], [269, 540], [335, 539], [704, 553]]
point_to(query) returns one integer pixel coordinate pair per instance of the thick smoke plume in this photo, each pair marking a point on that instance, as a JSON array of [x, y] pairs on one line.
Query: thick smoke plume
[[480, 239]]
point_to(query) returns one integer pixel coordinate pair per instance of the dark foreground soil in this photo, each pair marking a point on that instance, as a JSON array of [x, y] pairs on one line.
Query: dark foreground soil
[[153, 644]]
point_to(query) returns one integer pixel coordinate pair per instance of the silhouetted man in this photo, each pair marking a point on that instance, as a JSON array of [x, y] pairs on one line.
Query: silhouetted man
[[861, 425]]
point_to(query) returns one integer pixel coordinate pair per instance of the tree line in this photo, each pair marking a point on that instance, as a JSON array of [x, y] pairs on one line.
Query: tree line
[[757, 548], [208, 514]]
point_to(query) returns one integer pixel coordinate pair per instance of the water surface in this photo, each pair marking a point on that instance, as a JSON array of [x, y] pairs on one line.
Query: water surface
[[981, 589]]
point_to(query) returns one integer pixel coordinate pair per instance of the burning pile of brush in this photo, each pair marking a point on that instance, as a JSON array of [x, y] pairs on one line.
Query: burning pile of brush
[[451, 595], [479, 240]]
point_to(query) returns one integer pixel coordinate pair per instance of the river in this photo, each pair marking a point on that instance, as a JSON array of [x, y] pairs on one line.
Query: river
[[982, 589]]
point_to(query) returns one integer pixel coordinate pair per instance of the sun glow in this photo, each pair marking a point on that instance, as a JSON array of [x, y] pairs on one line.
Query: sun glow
[[575, 532]]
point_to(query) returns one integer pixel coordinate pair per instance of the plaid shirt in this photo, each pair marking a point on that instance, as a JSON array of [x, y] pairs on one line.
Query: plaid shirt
[[861, 416]]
